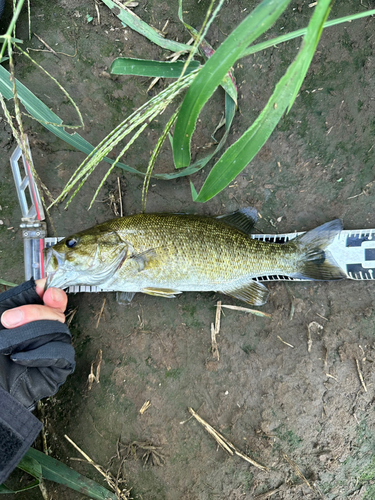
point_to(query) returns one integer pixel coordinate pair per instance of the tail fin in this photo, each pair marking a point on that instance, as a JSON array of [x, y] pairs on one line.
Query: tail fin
[[316, 263]]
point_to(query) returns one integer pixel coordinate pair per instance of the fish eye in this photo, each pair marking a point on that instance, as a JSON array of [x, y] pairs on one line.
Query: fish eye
[[71, 242]]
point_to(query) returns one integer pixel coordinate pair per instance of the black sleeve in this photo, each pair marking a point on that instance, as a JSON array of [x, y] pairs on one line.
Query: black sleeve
[[18, 430]]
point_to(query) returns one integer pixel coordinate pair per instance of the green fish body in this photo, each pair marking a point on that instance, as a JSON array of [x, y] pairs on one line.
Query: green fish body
[[166, 254]]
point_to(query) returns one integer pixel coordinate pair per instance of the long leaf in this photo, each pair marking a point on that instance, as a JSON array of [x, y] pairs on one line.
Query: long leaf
[[145, 67], [261, 18], [58, 472], [235, 159], [295, 34], [52, 122], [135, 23], [7, 283]]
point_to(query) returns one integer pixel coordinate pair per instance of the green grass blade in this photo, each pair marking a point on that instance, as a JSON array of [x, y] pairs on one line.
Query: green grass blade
[[5, 490], [31, 466], [230, 109], [301, 32], [48, 118], [54, 124], [135, 23], [7, 283], [235, 159], [58, 472], [144, 67], [261, 18]]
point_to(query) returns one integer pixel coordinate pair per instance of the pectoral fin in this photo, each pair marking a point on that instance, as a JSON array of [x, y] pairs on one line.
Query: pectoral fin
[[145, 259], [168, 293], [253, 293]]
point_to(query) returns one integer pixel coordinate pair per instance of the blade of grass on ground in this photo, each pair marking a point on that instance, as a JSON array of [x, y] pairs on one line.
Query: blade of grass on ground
[[145, 67], [58, 472], [208, 79], [243, 151], [295, 34], [135, 23]]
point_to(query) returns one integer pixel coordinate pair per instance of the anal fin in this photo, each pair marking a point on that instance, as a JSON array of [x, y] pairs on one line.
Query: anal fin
[[124, 298], [168, 293], [253, 293]]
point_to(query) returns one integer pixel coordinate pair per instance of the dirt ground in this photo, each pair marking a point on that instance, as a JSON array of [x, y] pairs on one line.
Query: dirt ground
[[303, 414]]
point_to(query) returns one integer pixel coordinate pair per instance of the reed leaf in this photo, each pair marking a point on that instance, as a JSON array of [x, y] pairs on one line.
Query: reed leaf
[[256, 23], [235, 158], [128, 18], [145, 67], [58, 472]]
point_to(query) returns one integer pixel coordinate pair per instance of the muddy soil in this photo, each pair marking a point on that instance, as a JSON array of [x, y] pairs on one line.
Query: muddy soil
[[301, 411]]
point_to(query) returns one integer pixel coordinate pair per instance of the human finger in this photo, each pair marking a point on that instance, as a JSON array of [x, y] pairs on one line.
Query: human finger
[[40, 284], [32, 312], [55, 298]]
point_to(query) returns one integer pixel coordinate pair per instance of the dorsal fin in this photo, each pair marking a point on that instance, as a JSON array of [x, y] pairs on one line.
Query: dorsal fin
[[242, 219]]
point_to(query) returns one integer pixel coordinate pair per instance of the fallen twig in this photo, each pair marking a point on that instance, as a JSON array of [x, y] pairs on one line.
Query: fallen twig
[[111, 481], [223, 442], [247, 310], [360, 376], [215, 331], [286, 343]]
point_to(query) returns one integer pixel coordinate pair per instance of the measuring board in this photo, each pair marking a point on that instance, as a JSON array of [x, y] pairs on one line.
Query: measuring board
[[353, 250]]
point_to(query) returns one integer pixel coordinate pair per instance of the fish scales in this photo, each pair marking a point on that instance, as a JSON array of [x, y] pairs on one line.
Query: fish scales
[[199, 250], [166, 254]]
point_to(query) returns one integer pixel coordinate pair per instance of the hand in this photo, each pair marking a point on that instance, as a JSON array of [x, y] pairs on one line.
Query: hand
[[36, 355], [55, 302]]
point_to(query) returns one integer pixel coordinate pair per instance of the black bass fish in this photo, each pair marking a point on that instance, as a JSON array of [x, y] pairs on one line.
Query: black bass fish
[[167, 254]]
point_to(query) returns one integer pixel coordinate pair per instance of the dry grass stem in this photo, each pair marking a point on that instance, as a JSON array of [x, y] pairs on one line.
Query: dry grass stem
[[312, 328], [146, 406], [286, 343], [97, 11], [111, 481], [360, 376], [100, 314], [69, 317], [215, 331], [214, 346], [247, 310], [268, 494], [331, 376], [297, 470], [224, 443], [120, 197], [95, 378], [46, 45]]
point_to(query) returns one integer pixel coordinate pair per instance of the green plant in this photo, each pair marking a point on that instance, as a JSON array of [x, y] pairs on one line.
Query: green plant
[[201, 81], [41, 466]]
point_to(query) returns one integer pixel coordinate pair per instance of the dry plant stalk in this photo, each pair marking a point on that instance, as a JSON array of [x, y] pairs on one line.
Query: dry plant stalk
[[313, 327], [100, 314], [286, 343], [146, 405], [248, 310], [120, 197], [223, 442], [95, 378], [111, 481], [297, 470], [215, 331], [360, 376]]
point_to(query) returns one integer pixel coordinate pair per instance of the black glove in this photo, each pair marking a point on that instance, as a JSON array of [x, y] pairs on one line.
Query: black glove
[[35, 359]]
